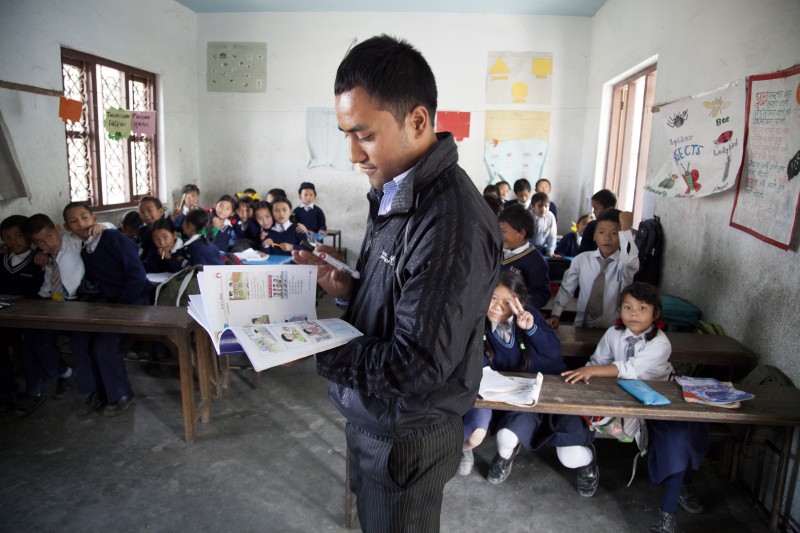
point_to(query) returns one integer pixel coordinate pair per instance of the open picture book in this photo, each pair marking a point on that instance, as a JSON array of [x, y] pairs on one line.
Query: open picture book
[[266, 311]]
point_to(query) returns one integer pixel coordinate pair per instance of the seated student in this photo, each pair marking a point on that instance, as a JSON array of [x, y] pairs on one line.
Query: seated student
[[112, 262], [544, 229], [130, 225], [20, 277], [518, 339], [636, 349], [601, 274], [543, 186], [522, 190], [495, 203], [167, 246], [503, 188], [151, 210], [197, 249], [273, 194], [190, 199], [602, 201], [222, 227], [248, 193], [516, 225], [245, 227], [491, 190], [262, 214], [309, 217], [282, 237], [569, 243]]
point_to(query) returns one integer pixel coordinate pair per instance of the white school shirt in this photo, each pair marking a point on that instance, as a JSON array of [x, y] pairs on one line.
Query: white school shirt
[[584, 269], [70, 266], [544, 230], [650, 359]]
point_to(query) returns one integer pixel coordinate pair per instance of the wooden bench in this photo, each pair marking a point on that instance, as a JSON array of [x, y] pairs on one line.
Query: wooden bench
[[168, 324]]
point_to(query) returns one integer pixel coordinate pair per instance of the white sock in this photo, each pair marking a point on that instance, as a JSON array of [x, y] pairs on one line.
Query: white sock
[[67, 373], [506, 442], [574, 456]]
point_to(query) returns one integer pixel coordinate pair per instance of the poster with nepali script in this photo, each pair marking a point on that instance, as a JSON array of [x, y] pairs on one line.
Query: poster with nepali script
[[769, 188], [706, 139]]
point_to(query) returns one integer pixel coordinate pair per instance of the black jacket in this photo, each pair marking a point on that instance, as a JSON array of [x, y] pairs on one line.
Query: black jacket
[[428, 268]]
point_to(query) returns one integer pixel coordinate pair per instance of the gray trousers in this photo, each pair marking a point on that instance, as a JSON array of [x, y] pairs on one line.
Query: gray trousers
[[398, 483]]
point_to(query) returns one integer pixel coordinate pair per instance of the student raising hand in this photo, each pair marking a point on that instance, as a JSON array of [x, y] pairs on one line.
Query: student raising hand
[[524, 318]]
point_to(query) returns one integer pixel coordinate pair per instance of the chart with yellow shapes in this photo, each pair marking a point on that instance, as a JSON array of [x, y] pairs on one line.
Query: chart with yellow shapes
[[519, 78]]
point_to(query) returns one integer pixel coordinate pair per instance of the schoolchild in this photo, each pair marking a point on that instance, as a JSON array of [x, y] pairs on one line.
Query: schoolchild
[[190, 199], [518, 339], [150, 209], [248, 193], [602, 201], [544, 225], [491, 190], [222, 227], [601, 274], [20, 277], [262, 214], [130, 225], [543, 186], [282, 235], [197, 249], [309, 217], [522, 191], [519, 256], [569, 243], [494, 203], [245, 227], [112, 263], [274, 194], [636, 349], [503, 188], [167, 246]]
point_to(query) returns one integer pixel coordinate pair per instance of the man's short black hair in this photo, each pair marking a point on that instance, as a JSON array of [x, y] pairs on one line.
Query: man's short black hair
[[611, 215], [522, 185], [605, 198], [392, 72], [518, 218]]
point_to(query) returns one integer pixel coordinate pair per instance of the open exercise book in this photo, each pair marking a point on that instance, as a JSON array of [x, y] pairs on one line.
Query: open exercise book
[[266, 311], [709, 391], [495, 387]]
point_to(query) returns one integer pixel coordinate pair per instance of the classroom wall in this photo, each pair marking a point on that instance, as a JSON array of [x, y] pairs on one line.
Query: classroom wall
[[154, 35], [259, 140], [748, 286]]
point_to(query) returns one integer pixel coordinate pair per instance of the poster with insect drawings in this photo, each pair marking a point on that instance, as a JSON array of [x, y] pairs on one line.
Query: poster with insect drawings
[[236, 67], [706, 138], [768, 192]]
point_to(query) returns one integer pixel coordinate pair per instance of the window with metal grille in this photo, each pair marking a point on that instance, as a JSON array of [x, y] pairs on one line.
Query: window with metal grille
[[105, 172]]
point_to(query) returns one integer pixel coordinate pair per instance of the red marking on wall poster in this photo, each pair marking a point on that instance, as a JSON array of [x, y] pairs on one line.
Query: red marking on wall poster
[[456, 122]]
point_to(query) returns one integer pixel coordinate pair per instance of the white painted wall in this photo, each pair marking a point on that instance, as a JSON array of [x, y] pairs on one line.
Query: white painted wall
[[154, 35], [748, 286], [258, 140]]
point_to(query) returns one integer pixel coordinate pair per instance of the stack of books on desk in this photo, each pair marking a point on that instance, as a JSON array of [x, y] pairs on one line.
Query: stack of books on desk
[[709, 391], [513, 390]]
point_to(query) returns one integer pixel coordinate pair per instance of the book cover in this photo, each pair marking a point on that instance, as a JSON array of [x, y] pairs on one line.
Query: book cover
[[712, 391]]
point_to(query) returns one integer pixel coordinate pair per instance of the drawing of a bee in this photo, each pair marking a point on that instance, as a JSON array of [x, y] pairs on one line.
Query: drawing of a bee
[[716, 105]]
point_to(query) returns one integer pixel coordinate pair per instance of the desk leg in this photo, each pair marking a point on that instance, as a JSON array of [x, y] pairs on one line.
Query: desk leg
[[203, 374], [183, 344], [780, 481]]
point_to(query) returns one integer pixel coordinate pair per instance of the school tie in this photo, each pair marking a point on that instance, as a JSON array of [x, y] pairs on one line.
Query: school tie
[[503, 330], [307, 208], [631, 344], [56, 285], [278, 228], [594, 306]]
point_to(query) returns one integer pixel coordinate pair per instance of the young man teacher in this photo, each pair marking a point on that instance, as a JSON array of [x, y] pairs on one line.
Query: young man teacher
[[428, 265]]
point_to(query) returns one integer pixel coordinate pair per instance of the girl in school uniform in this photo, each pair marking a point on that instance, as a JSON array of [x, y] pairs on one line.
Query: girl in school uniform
[[282, 236], [222, 227], [518, 339], [165, 257], [636, 349], [262, 214], [197, 250]]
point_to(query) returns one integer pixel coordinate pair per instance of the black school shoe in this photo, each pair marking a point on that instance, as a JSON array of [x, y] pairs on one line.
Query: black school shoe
[[92, 404], [689, 501], [501, 468], [665, 523], [28, 405], [589, 477], [119, 407]]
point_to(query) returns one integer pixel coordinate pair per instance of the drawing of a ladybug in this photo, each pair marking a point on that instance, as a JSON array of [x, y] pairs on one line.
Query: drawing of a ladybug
[[691, 178], [725, 137]]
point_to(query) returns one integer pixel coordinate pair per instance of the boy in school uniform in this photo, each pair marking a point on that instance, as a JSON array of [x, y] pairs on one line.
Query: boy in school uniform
[[522, 190], [112, 262], [20, 276], [190, 199], [544, 225], [543, 185], [602, 201], [309, 217], [600, 274], [516, 225]]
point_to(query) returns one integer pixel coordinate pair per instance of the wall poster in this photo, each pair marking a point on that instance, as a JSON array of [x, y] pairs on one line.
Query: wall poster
[[516, 144], [519, 78], [237, 67]]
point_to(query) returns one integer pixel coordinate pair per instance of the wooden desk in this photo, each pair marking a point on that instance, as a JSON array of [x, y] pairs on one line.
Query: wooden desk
[[772, 406], [714, 350], [169, 324]]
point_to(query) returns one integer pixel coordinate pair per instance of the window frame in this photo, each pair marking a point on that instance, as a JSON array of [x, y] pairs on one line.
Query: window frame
[[94, 130]]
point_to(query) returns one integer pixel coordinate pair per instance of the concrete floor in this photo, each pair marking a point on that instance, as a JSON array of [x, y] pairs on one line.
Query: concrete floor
[[273, 460]]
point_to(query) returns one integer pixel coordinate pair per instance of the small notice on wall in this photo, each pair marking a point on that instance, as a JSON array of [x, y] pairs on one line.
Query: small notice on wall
[[237, 67], [769, 187]]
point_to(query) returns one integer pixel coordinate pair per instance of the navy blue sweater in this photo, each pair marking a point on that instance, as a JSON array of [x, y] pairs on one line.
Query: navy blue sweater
[[587, 243], [115, 266], [290, 235], [568, 245], [313, 220], [224, 238], [25, 279], [199, 252], [541, 343], [246, 230], [534, 270]]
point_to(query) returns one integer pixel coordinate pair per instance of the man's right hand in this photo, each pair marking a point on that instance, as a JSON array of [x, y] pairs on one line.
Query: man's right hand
[[335, 283]]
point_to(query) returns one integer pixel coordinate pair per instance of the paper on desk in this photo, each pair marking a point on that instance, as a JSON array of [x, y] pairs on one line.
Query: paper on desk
[[513, 390], [249, 255]]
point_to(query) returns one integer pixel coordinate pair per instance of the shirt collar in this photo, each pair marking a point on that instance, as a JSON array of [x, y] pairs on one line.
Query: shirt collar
[[91, 243], [18, 258], [192, 239], [515, 251]]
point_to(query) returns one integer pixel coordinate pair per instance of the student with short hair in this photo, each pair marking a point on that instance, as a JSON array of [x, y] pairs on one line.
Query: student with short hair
[[167, 247], [282, 236], [602, 201], [309, 217], [503, 188], [245, 228], [601, 274], [197, 248], [522, 191], [274, 194], [545, 231], [569, 243], [222, 234], [262, 214], [190, 199], [543, 185], [516, 225], [150, 210]]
